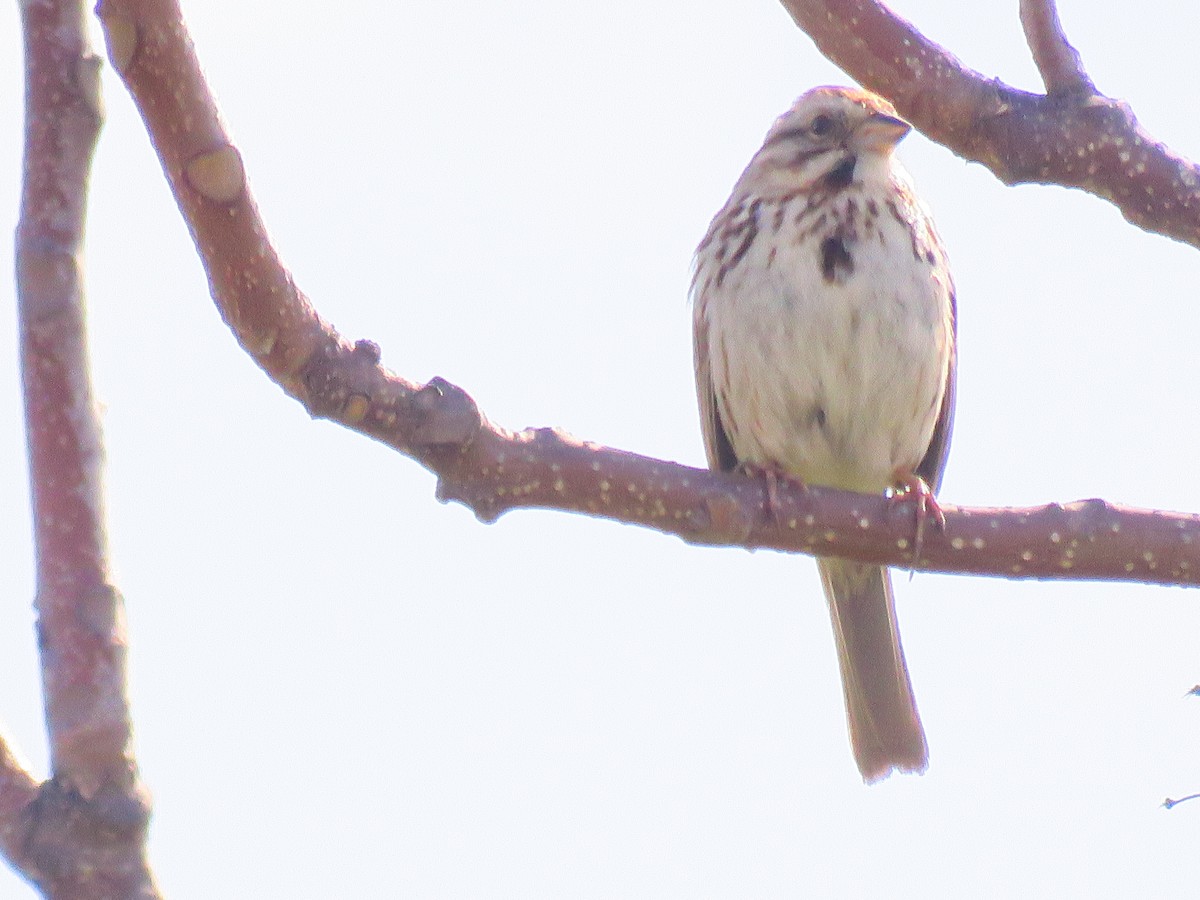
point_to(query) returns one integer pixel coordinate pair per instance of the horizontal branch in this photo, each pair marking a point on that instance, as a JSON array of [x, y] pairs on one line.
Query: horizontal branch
[[493, 471], [1074, 138]]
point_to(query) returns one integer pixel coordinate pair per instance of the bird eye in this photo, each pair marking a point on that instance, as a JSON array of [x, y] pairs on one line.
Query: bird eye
[[821, 125]]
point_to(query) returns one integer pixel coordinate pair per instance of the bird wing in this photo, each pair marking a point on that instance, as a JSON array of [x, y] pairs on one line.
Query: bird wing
[[717, 446], [934, 463]]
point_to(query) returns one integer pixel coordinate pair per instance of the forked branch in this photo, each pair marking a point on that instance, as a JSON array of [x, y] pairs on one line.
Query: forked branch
[[1070, 136], [1058, 62]]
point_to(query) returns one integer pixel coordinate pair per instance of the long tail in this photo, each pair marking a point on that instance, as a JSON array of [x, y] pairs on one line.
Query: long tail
[[885, 729]]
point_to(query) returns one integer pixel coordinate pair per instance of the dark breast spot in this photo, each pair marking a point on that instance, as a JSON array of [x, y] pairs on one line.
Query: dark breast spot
[[841, 175], [836, 264]]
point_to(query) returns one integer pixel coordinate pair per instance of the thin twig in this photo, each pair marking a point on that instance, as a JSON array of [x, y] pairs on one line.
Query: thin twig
[[1058, 62], [1169, 803]]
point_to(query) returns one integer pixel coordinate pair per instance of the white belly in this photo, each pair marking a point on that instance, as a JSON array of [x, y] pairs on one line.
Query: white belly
[[836, 380]]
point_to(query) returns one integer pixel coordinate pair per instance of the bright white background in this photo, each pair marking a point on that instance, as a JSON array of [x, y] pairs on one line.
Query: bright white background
[[345, 689]]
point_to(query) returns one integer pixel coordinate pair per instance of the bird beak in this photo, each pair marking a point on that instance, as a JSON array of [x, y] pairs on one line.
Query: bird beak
[[880, 132]]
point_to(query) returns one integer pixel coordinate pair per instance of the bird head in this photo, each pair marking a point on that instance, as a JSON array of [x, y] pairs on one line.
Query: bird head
[[832, 136]]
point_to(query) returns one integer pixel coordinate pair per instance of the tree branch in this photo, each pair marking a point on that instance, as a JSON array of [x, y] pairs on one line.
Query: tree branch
[[1057, 61], [81, 833], [493, 470], [18, 792], [1075, 139]]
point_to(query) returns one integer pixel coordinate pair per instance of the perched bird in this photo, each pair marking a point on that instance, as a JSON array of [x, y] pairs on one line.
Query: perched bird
[[824, 327]]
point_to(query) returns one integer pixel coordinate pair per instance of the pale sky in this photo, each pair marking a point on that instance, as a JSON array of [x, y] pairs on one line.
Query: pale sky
[[344, 689]]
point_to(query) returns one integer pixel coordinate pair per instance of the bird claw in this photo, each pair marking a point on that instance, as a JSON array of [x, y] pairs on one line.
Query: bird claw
[[909, 484], [772, 475]]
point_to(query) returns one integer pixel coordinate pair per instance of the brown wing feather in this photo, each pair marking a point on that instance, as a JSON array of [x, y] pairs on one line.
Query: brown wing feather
[[717, 446], [934, 463]]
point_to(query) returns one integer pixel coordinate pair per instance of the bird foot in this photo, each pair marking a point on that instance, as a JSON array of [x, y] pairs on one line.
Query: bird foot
[[773, 475], [909, 484]]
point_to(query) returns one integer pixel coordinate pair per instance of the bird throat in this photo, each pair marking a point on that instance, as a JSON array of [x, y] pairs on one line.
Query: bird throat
[[841, 175]]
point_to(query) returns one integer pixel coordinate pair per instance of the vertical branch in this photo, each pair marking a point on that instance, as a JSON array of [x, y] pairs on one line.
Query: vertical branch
[[77, 614], [83, 834]]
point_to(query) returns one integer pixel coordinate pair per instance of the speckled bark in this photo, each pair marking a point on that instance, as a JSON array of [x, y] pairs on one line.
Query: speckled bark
[[1071, 136], [80, 834]]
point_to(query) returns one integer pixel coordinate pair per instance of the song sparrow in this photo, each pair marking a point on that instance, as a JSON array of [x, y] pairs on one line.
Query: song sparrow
[[824, 327]]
